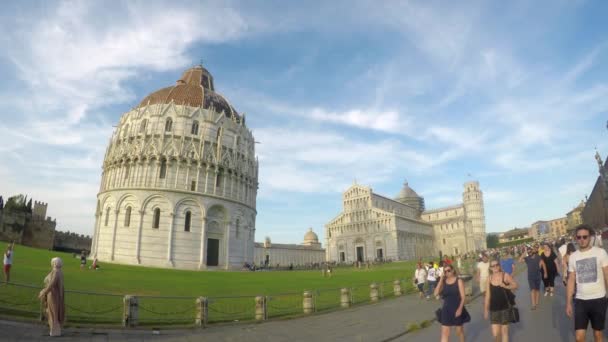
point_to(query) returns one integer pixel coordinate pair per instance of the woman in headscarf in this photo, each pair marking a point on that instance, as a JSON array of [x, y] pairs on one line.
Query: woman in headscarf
[[52, 297]]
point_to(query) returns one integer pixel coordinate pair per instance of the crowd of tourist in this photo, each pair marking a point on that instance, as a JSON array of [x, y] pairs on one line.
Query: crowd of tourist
[[579, 260]]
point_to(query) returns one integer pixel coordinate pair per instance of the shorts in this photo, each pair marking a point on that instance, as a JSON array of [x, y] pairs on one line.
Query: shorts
[[534, 283], [7, 268], [420, 287], [593, 310]]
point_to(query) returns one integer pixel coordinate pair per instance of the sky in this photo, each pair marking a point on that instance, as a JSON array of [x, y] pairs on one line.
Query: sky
[[513, 94]]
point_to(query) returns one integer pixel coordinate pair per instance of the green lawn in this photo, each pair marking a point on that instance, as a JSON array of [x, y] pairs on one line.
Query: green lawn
[[231, 293]]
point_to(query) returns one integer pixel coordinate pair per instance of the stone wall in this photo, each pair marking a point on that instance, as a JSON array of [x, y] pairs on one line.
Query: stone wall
[[72, 242], [12, 225], [39, 233]]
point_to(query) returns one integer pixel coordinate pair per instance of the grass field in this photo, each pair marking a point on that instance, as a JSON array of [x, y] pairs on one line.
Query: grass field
[[167, 296]]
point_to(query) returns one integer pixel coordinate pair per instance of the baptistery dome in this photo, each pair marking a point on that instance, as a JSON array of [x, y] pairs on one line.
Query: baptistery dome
[[179, 181]]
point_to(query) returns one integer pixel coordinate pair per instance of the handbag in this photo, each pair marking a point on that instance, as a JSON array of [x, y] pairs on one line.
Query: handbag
[[513, 310]]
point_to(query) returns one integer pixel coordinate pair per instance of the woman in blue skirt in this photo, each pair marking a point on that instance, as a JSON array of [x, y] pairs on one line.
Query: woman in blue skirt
[[453, 313]]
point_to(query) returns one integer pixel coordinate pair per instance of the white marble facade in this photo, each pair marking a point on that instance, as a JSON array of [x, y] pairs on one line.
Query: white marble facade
[[373, 227], [283, 255], [179, 182]]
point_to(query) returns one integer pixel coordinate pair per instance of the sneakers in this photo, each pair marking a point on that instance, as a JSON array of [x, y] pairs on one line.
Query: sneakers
[[551, 294], [546, 293]]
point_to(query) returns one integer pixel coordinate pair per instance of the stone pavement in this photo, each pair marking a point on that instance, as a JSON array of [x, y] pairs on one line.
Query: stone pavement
[[373, 322], [548, 323]]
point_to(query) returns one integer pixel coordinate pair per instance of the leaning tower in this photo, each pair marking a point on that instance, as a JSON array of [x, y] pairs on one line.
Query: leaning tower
[[472, 198]]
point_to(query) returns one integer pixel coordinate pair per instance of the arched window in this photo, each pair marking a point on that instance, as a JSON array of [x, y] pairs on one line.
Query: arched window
[[194, 129], [128, 217], [107, 216], [218, 179], [142, 126], [168, 125], [163, 169], [156, 219], [187, 221], [236, 228]]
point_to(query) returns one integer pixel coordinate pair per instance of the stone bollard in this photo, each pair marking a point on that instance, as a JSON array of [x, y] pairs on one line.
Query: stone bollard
[[202, 311], [130, 309], [260, 308], [345, 297], [373, 292], [307, 303], [397, 287]]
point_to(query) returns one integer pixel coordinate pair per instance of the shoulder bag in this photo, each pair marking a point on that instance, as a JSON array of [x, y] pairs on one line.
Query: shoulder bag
[[513, 310]]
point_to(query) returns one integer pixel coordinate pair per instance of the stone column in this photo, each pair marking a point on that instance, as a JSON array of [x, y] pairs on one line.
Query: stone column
[[345, 297], [178, 162], [228, 228], [130, 311], [202, 311], [202, 262], [170, 241], [138, 241], [116, 211], [207, 178], [198, 173], [96, 234], [307, 303], [397, 287], [187, 182], [373, 292]]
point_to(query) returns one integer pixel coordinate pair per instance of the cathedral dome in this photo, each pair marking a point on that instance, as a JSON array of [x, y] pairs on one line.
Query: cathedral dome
[[408, 196], [195, 89], [310, 237]]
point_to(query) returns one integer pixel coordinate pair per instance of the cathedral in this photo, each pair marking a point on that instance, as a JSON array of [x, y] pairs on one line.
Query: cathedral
[[375, 227]]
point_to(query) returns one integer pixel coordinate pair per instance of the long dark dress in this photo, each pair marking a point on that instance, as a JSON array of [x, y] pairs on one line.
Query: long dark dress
[[551, 269], [451, 302]]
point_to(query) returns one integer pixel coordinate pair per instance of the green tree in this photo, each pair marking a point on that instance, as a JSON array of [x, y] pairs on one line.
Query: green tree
[[492, 240], [29, 206], [16, 203]]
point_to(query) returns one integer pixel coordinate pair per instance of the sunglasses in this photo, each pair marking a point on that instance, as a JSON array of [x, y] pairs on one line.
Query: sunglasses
[[494, 265], [582, 237]]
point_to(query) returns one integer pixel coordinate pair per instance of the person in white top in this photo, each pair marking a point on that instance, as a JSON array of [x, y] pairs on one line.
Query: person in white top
[[8, 262], [420, 279], [483, 270], [588, 270], [431, 278]]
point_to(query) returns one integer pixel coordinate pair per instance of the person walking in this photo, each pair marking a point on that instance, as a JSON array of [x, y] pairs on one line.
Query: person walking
[[8, 261], [507, 264], [532, 260], [453, 313], [496, 306], [52, 297], [565, 260], [431, 279], [83, 260], [483, 270], [588, 271], [420, 279], [549, 266]]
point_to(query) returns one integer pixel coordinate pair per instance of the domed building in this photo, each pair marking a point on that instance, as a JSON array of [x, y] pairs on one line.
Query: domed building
[[283, 255], [179, 181]]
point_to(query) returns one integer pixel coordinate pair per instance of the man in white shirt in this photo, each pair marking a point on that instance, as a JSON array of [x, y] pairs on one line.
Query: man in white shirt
[[483, 270], [431, 279], [588, 270]]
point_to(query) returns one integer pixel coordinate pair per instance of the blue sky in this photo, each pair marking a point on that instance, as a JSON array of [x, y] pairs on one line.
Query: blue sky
[[513, 93]]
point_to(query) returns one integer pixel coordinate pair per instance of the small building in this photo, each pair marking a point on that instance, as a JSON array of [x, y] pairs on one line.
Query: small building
[[515, 234], [283, 255]]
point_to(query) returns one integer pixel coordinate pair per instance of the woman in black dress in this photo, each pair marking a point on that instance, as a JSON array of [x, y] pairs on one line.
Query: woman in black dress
[[496, 305], [549, 266], [453, 312]]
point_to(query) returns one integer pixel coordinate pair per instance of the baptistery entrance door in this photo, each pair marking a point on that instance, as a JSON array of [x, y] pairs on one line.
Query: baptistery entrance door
[[213, 252], [360, 254]]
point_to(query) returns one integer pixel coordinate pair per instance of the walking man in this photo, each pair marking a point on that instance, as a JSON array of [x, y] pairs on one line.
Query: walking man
[[483, 270], [588, 270]]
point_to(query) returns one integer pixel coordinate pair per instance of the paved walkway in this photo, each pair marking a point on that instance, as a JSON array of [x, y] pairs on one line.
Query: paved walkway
[[373, 322], [548, 323]]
